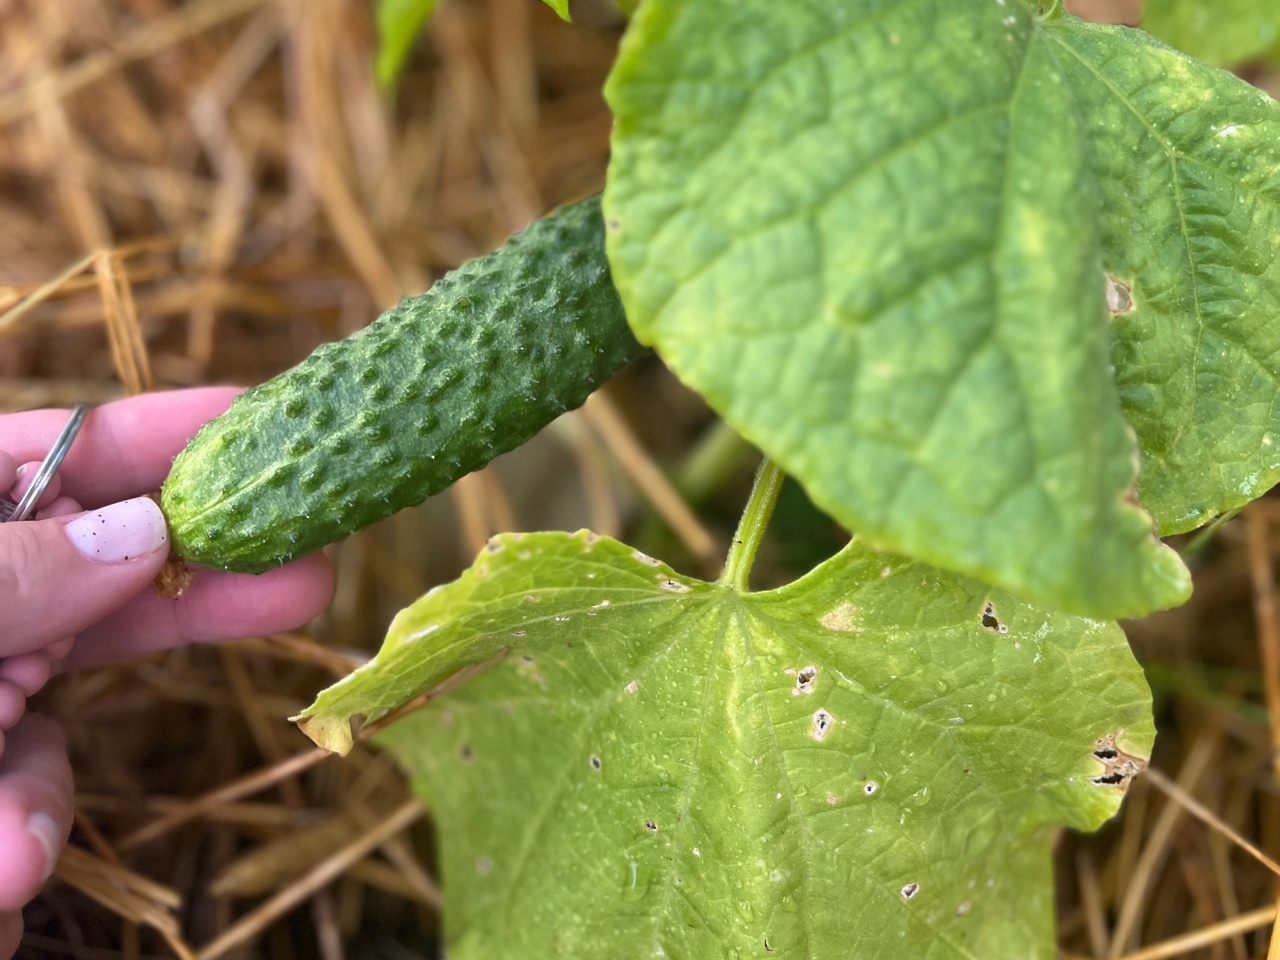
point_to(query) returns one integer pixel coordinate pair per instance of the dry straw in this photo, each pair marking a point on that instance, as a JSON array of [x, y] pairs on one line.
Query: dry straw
[[202, 192]]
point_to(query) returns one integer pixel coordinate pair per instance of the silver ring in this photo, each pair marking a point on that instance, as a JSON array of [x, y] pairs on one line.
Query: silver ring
[[27, 505]]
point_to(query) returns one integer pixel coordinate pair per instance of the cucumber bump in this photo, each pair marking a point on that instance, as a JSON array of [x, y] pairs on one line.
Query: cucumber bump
[[433, 389]]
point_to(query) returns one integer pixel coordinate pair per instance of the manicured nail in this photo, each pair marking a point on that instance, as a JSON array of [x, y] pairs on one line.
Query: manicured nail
[[41, 826], [120, 532]]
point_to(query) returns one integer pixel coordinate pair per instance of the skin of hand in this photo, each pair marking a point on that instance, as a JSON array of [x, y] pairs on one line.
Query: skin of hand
[[76, 590]]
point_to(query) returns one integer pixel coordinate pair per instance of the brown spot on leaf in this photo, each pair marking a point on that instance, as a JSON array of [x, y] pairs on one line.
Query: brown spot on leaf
[[1119, 297], [843, 618], [1118, 767], [822, 723]]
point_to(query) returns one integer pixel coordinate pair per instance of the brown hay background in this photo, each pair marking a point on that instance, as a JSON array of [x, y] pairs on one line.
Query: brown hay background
[[204, 191]]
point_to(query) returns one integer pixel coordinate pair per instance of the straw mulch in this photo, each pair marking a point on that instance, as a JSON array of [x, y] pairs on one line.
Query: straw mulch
[[202, 192]]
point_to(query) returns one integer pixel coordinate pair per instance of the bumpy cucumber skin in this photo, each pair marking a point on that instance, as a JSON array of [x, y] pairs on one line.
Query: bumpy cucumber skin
[[433, 389]]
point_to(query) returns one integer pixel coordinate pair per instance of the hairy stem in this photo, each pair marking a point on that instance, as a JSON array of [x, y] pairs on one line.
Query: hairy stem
[[755, 518]]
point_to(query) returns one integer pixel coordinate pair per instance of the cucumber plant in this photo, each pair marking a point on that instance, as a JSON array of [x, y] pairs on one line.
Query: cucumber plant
[[998, 288]]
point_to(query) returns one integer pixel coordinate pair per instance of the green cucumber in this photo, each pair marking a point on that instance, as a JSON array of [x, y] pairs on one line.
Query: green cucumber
[[432, 390]]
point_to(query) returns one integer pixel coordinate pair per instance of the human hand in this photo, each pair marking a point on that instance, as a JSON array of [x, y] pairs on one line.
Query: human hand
[[75, 589]]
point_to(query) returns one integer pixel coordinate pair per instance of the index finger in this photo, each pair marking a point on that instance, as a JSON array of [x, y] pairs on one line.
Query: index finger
[[125, 447]]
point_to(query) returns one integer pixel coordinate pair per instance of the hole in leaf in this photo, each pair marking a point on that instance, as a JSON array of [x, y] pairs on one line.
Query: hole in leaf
[[596, 762], [910, 890], [1119, 297], [870, 787], [990, 621], [1118, 767], [822, 723], [807, 678], [651, 826]]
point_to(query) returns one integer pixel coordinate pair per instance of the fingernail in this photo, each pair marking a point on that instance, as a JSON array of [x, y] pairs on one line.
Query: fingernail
[[122, 531], [41, 826]]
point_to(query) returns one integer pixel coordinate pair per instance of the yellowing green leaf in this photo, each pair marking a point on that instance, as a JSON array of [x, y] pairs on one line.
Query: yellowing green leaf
[[1220, 32], [868, 763], [866, 231], [1185, 161]]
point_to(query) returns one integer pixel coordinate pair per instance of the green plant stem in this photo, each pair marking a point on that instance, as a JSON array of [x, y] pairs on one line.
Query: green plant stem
[[755, 518]]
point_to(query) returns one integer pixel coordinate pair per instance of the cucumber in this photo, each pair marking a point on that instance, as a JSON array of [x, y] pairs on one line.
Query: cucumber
[[433, 389]]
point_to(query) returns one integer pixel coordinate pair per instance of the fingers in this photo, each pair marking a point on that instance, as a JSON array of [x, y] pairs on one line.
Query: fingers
[[13, 704], [59, 576], [27, 672], [35, 809], [25, 475], [62, 507], [125, 447], [216, 606]]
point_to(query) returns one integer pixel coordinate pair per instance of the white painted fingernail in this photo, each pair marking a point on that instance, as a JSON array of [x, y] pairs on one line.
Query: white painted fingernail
[[120, 532], [41, 826]]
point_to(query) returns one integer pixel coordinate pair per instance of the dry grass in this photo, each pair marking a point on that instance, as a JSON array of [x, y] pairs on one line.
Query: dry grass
[[202, 192]]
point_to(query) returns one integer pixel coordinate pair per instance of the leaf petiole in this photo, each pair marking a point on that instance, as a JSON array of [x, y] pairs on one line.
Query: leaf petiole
[[755, 518]]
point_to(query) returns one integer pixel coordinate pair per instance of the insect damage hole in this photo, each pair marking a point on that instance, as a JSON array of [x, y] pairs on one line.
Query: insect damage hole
[[822, 724], [651, 826], [1118, 767], [1119, 297], [596, 763], [910, 890], [990, 621], [806, 680]]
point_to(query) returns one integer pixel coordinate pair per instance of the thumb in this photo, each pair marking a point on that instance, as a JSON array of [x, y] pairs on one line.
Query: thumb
[[59, 576]]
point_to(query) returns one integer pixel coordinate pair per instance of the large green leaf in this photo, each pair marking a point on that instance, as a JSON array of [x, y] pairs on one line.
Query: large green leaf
[[1185, 157], [1221, 32], [866, 231], [867, 763]]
